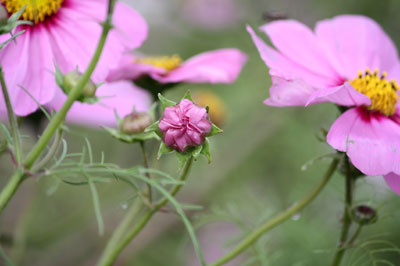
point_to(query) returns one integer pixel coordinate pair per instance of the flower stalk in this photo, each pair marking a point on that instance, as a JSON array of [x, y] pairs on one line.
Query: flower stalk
[[125, 232], [347, 217], [11, 118], [278, 219], [147, 166]]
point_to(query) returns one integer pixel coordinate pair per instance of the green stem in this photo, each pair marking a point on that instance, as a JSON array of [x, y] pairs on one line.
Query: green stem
[[341, 249], [50, 155], [356, 234], [114, 248], [12, 186], [146, 164], [11, 118], [277, 220]]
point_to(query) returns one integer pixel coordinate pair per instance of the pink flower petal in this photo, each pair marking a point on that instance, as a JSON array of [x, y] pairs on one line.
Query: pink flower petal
[[288, 92], [297, 42], [27, 63], [393, 181], [218, 66], [128, 69], [355, 43], [121, 97], [344, 95], [284, 67], [371, 140]]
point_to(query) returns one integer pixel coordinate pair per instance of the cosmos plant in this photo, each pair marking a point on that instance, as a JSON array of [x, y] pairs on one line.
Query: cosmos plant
[[75, 62]]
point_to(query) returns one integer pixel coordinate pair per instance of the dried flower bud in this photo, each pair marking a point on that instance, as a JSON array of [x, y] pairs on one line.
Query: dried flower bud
[[135, 122], [184, 125], [3, 15], [363, 215], [71, 79]]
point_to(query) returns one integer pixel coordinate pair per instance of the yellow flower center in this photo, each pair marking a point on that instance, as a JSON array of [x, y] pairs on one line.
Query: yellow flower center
[[166, 62], [36, 10], [382, 92]]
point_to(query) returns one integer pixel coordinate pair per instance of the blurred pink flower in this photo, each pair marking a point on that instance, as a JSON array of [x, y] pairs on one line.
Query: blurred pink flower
[[216, 240], [121, 96], [67, 35], [218, 66], [332, 64], [184, 125], [212, 14]]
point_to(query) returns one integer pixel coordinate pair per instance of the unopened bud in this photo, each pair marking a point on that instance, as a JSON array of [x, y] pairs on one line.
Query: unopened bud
[[135, 122], [71, 79], [184, 125], [3, 15], [364, 215]]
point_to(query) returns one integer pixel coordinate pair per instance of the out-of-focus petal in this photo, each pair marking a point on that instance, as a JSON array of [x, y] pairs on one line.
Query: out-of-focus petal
[[284, 67], [356, 42], [393, 181], [27, 62], [128, 69], [344, 95], [288, 92], [121, 97], [296, 41], [218, 66], [371, 140]]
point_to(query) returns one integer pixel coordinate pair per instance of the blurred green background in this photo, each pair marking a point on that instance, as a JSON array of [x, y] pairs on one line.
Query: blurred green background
[[255, 173]]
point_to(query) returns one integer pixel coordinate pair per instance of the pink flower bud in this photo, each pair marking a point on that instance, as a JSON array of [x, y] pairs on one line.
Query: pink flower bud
[[184, 125]]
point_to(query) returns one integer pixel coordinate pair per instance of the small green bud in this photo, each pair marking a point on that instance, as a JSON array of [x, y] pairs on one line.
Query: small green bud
[[135, 122], [363, 215], [3, 15], [71, 79]]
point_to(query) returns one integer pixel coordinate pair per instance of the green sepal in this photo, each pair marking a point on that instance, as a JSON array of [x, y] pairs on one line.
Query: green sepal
[[131, 138], [183, 157], [197, 151], [13, 22], [90, 100], [153, 110], [214, 131], [59, 77], [165, 102], [164, 149], [206, 150], [188, 96], [154, 128]]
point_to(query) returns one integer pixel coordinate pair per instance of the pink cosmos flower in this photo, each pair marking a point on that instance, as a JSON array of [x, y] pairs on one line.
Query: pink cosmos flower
[[218, 66], [65, 33], [350, 61], [184, 125]]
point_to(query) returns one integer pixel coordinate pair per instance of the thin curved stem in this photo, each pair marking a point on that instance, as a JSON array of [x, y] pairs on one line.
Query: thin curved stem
[[147, 166], [277, 220], [114, 248], [356, 234], [20, 174], [50, 155], [11, 118], [341, 249]]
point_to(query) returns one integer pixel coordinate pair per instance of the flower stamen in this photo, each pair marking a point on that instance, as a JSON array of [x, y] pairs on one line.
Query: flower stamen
[[166, 62], [382, 92], [36, 10]]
